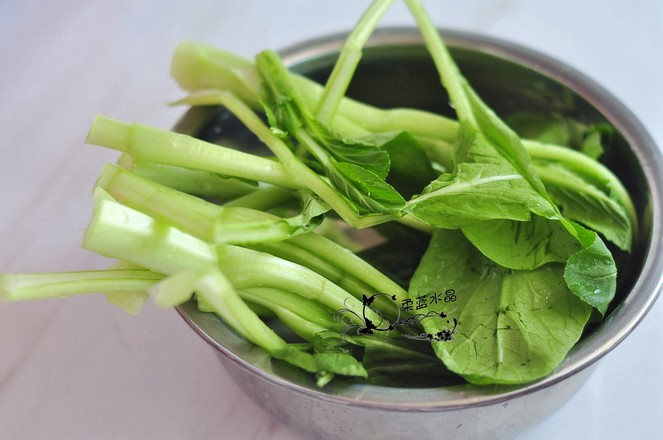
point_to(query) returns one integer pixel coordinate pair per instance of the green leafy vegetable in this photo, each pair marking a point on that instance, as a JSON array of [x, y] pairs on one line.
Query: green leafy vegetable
[[481, 257], [483, 186], [474, 114], [512, 326], [357, 170]]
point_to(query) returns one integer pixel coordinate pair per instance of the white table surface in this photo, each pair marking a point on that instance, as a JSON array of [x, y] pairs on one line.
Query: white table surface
[[82, 369]]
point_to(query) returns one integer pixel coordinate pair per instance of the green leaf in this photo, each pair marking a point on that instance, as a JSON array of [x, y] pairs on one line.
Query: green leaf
[[590, 270], [595, 139], [523, 245], [340, 363], [505, 141], [475, 192], [326, 363], [365, 189], [591, 274], [547, 128], [239, 226], [360, 152], [410, 169], [558, 129], [513, 327], [356, 169], [278, 94], [311, 213], [475, 115], [288, 116], [583, 202], [483, 186]]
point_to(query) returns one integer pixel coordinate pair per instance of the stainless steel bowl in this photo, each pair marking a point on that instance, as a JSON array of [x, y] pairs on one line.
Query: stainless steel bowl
[[508, 77]]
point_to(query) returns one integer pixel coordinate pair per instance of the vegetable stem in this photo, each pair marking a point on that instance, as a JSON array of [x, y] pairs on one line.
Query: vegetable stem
[[295, 167], [598, 173], [351, 53], [120, 232], [443, 62], [31, 286], [217, 291], [151, 144]]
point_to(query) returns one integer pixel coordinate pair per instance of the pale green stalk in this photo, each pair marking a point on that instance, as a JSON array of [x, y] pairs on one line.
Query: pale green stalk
[[195, 216], [324, 264], [120, 232], [263, 199], [351, 264], [295, 167], [218, 292], [31, 286], [175, 290], [197, 182], [247, 268], [587, 167], [149, 144], [349, 58], [303, 307], [443, 62], [200, 67], [302, 327], [131, 301]]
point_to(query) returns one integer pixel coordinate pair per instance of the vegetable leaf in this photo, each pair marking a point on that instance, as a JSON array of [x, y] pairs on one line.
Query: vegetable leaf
[[356, 169], [483, 186], [410, 169], [512, 326], [325, 365], [523, 245], [591, 274], [365, 189], [597, 285], [561, 130], [583, 202], [356, 151], [474, 114], [504, 140]]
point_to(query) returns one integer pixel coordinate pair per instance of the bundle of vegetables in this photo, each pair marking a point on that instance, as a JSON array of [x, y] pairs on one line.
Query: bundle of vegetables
[[490, 249]]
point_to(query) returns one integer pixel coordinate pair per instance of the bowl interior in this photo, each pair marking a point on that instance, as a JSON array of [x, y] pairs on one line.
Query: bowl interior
[[396, 71]]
